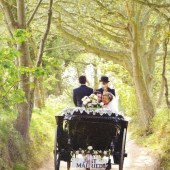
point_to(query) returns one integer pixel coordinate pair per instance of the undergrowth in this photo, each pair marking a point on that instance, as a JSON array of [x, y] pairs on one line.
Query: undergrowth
[[159, 139], [18, 155]]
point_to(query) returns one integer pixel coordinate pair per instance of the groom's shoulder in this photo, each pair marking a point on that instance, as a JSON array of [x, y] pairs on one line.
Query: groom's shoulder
[[89, 88], [80, 88]]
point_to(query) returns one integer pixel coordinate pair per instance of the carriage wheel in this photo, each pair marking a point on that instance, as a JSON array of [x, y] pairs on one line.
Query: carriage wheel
[[123, 150], [57, 161], [56, 153]]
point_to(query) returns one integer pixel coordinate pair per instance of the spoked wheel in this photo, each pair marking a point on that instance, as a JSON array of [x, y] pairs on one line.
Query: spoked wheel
[[123, 150], [57, 161], [56, 153]]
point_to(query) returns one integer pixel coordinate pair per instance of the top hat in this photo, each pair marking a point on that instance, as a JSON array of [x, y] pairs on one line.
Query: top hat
[[104, 79]]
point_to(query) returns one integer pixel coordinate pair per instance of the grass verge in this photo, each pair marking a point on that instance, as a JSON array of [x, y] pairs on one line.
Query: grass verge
[[17, 155], [159, 139]]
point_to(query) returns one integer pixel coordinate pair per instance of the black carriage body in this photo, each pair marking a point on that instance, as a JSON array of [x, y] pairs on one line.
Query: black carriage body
[[80, 130]]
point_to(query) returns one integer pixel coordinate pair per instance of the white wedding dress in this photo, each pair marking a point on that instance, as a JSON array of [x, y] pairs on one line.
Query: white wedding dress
[[113, 105]]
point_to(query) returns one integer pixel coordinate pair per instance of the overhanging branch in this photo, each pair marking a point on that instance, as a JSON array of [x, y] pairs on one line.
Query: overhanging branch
[[118, 57], [9, 17], [34, 12], [167, 5], [44, 37]]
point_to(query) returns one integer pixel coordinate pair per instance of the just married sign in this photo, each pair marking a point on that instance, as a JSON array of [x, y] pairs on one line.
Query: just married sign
[[84, 163]]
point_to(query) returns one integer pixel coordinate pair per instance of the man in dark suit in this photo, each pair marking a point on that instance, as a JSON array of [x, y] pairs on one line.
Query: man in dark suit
[[105, 86], [80, 92]]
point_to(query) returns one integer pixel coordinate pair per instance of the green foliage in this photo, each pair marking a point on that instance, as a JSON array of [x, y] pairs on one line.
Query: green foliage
[[21, 35], [19, 166], [18, 96], [9, 77], [159, 139], [38, 72], [18, 155], [11, 145]]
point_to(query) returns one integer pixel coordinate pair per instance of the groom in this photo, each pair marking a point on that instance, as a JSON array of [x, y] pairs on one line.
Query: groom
[[80, 92]]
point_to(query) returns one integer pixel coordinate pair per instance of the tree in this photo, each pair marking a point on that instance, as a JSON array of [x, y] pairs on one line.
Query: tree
[[126, 32], [15, 17]]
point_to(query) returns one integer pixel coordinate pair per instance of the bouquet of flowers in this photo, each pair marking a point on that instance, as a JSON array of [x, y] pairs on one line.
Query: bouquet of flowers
[[91, 101]]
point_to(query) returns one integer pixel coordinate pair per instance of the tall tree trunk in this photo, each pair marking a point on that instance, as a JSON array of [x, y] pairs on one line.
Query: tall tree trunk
[[39, 94], [96, 81], [23, 121], [59, 85], [161, 93], [144, 99], [41, 87]]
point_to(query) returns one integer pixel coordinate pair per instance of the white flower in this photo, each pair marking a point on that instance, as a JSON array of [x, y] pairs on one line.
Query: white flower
[[88, 100], [84, 98], [92, 95], [94, 101], [105, 152], [90, 147], [84, 103], [77, 152], [95, 152], [89, 104], [101, 104], [100, 151], [95, 97], [82, 151]]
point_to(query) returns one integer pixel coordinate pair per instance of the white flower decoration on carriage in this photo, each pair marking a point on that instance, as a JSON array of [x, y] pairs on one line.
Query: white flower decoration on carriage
[[77, 152], [90, 147], [95, 152], [105, 152]]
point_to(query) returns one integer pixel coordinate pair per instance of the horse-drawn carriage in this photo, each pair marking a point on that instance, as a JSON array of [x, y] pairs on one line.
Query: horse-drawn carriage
[[90, 138]]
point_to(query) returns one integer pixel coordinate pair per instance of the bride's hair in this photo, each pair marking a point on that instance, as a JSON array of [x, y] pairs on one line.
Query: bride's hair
[[110, 96]]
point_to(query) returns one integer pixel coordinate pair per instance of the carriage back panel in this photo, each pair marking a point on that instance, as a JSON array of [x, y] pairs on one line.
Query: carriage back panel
[[92, 131]]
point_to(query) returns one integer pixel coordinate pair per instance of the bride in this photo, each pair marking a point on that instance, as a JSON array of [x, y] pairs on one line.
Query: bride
[[109, 102]]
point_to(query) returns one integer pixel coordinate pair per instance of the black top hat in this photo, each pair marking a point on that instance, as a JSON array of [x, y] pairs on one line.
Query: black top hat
[[104, 79]]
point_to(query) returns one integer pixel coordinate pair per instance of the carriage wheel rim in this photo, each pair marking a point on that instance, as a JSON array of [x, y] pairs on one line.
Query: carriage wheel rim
[[123, 149]]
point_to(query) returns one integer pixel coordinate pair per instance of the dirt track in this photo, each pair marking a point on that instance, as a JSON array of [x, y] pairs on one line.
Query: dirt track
[[139, 158]]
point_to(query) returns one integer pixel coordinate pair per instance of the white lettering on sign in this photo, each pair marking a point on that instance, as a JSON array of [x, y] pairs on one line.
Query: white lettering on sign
[[83, 163]]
